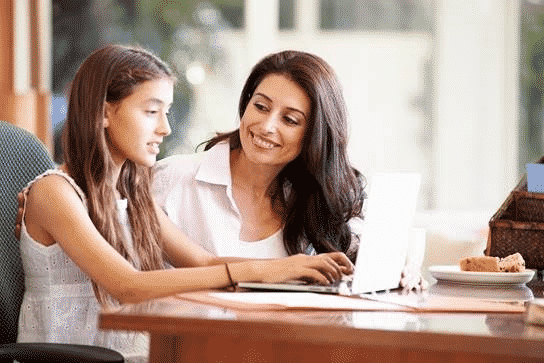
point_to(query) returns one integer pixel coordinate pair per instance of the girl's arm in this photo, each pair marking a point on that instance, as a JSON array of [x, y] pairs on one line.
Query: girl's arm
[[55, 212], [181, 252]]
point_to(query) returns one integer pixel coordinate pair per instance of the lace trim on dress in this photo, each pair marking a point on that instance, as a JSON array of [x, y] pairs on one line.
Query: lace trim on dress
[[59, 172]]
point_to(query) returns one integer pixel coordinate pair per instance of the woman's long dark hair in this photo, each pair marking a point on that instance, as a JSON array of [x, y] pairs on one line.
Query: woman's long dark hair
[[320, 191], [111, 74]]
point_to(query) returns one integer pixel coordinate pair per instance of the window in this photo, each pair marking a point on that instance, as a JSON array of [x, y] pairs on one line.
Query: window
[[287, 14], [375, 15], [531, 82], [232, 12]]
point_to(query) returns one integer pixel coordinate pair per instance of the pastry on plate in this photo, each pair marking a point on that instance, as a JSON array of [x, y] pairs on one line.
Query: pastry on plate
[[480, 263], [511, 263]]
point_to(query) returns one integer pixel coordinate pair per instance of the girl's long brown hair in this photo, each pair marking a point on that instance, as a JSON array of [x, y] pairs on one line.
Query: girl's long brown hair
[[111, 74]]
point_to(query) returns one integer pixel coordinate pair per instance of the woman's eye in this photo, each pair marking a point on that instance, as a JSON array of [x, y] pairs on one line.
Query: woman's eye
[[291, 121], [260, 106]]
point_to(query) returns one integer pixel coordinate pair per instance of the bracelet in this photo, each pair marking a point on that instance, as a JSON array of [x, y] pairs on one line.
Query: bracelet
[[232, 283]]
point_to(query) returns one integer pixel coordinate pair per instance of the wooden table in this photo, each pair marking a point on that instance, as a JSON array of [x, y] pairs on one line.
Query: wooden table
[[183, 331]]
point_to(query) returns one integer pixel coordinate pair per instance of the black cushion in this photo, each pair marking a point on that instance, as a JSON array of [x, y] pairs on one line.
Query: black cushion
[[61, 353]]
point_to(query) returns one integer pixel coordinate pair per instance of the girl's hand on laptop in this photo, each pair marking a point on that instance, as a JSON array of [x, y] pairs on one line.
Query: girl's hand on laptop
[[324, 268]]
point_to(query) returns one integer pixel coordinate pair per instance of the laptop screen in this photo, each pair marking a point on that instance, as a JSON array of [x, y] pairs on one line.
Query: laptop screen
[[389, 216]]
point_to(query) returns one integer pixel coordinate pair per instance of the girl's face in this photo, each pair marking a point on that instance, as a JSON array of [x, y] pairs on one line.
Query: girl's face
[[138, 123], [274, 123]]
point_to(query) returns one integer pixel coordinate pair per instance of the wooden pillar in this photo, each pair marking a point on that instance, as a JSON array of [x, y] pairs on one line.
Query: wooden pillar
[[25, 65], [42, 30]]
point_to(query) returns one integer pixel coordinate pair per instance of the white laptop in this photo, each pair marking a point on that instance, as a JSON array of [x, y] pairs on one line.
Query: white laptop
[[389, 215]]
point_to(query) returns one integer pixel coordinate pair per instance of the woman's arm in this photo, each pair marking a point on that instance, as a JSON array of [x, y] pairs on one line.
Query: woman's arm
[[55, 208]]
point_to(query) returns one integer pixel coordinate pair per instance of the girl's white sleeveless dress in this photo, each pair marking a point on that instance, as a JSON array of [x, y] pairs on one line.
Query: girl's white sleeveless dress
[[59, 304]]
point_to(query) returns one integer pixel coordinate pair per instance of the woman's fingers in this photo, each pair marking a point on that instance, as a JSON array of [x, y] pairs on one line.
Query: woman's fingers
[[19, 218], [17, 231]]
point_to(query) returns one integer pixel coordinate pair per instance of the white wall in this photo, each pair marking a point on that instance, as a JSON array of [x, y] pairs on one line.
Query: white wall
[[476, 102]]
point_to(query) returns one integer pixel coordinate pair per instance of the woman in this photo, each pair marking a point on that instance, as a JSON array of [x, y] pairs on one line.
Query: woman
[[91, 233], [279, 185]]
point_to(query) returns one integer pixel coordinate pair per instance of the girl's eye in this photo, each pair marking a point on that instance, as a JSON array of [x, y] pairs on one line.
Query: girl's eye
[[151, 112]]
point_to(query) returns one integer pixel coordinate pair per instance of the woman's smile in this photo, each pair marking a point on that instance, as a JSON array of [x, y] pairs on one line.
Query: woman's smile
[[262, 142]]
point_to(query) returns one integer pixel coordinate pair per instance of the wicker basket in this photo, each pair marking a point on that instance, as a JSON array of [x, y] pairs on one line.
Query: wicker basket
[[518, 226]]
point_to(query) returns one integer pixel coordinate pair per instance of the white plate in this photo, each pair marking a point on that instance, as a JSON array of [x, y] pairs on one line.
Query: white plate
[[454, 274]]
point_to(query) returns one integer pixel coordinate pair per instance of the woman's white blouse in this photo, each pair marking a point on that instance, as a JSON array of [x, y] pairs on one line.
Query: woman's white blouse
[[195, 191], [59, 304]]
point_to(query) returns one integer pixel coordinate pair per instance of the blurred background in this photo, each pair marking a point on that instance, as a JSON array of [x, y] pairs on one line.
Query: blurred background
[[451, 89]]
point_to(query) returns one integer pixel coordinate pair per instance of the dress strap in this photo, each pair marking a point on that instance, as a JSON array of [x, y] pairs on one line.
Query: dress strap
[[61, 173]]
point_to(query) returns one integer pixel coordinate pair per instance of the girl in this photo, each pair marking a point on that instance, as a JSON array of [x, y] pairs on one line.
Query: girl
[[92, 234]]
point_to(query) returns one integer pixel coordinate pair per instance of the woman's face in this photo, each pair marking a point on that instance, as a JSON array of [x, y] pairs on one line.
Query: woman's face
[[274, 123], [138, 123]]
